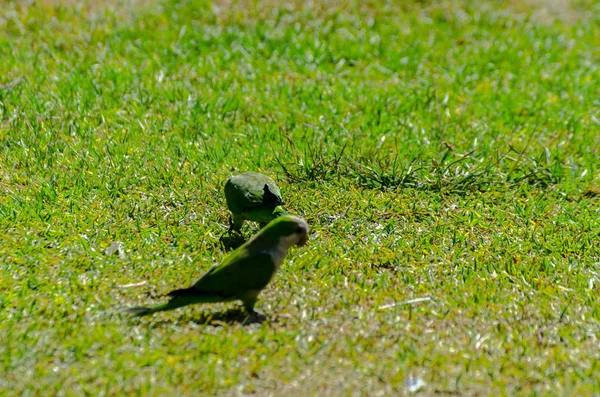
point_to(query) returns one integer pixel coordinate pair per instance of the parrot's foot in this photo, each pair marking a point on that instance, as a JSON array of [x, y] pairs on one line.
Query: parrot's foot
[[255, 312], [254, 316], [235, 224]]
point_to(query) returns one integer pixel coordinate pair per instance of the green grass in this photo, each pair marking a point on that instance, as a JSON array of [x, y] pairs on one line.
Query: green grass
[[440, 150]]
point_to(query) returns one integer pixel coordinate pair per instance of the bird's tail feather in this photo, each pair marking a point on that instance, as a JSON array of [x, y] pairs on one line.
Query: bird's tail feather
[[179, 298], [193, 295], [174, 303], [184, 292]]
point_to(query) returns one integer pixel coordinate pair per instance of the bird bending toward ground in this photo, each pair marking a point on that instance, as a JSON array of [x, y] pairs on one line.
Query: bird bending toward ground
[[254, 197]]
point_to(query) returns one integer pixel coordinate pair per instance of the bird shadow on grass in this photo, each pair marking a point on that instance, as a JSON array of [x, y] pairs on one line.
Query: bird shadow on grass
[[218, 319], [230, 242], [230, 317]]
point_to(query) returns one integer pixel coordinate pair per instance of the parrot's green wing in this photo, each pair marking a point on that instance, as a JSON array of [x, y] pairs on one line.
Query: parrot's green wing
[[242, 271]]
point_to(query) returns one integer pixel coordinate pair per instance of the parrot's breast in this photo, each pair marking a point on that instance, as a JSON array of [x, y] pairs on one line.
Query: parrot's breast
[[281, 250]]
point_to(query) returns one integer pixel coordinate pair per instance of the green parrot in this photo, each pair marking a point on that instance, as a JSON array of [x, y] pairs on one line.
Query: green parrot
[[254, 197], [244, 273]]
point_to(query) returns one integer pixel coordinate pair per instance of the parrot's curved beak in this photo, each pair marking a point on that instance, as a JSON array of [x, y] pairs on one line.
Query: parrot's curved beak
[[303, 240]]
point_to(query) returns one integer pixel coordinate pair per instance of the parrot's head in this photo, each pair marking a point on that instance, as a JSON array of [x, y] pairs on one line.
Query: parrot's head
[[289, 229]]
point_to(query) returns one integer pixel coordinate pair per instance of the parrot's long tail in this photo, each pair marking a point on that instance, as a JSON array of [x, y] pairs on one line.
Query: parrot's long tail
[[174, 303], [141, 311], [179, 298]]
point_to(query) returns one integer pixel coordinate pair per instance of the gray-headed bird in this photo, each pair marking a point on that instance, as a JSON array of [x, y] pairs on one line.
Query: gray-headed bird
[[244, 273]]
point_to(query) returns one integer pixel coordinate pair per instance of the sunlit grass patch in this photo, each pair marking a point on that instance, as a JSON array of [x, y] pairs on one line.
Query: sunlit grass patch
[[445, 155]]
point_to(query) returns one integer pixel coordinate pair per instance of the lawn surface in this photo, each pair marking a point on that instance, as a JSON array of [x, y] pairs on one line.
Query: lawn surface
[[445, 154]]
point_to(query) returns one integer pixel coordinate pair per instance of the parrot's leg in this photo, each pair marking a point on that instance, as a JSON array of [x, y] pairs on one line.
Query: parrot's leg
[[249, 298], [230, 224], [234, 235], [235, 223]]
